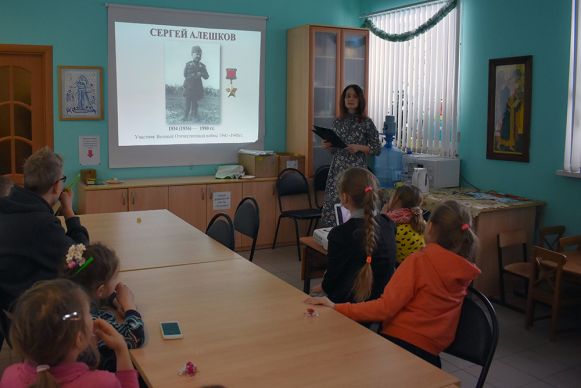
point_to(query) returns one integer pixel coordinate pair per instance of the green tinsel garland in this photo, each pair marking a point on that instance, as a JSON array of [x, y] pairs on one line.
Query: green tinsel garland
[[431, 22]]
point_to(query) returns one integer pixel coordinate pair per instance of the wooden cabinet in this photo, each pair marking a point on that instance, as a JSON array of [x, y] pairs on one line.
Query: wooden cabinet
[[189, 203], [321, 61], [148, 198], [102, 201]]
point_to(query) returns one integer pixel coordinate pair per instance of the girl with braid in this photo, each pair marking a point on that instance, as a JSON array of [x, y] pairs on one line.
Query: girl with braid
[[361, 251], [420, 306]]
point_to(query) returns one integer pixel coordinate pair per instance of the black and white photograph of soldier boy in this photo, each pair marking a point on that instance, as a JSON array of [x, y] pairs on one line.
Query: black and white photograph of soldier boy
[[192, 83]]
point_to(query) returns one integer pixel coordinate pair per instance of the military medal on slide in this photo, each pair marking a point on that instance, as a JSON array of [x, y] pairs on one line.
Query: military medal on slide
[[231, 75]]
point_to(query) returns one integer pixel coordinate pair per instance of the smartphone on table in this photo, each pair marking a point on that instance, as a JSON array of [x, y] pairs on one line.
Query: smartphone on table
[[171, 330]]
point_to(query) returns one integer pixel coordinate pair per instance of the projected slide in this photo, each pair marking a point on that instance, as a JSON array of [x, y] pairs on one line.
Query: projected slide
[[186, 85]]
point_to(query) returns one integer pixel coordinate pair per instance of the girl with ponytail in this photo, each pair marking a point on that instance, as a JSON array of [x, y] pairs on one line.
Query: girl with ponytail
[[420, 306], [361, 251]]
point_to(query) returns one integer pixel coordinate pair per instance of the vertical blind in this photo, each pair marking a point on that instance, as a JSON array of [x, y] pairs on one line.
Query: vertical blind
[[417, 81], [573, 138]]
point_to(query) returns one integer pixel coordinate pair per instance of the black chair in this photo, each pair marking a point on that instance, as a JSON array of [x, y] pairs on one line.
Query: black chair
[[4, 327], [247, 220], [477, 333], [320, 182], [221, 229], [291, 182], [513, 246]]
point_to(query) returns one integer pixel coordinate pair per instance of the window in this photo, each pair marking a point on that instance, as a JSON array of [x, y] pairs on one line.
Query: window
[[572, 163], [417, 80]]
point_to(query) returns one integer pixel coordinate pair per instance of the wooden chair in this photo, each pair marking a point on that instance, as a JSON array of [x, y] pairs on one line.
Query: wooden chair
[[477, 333], [511, 242], [565, 243], [546, 286], [221, 229], [247, 221], [292, 182], [549, 237]]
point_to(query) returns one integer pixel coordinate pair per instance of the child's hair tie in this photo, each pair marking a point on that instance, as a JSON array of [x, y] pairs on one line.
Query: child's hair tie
[[42, 368], [368, 259], [465, 227], [368, 189]]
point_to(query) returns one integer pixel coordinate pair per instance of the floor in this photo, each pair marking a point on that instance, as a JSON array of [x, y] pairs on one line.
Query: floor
[[523, 358]]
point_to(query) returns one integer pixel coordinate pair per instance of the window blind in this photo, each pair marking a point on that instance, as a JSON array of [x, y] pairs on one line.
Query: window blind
[[417, 81]]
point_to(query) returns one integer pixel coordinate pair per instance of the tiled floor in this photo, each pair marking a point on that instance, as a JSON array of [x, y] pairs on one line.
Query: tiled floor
[[523, 358]]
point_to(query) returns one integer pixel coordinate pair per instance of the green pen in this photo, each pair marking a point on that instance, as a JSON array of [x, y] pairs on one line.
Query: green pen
[[82, 267]]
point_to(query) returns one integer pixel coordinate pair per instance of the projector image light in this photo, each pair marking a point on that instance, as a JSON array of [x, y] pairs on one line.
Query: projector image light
[[320, 236]]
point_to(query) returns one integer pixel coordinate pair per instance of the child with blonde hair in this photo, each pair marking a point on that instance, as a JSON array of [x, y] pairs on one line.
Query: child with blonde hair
[[404, 209], [361, 251], [51, 328], [96, 268], [420, 306]]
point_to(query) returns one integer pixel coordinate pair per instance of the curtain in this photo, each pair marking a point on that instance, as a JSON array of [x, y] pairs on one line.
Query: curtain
[[573, 138]]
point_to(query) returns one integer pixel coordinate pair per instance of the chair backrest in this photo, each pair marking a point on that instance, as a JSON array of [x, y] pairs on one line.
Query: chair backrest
[[477, 333], [247, 217], [549, 237], [291, 181], [507, 240], [221, 229], [320, 182], [549, 270], [570, 242]]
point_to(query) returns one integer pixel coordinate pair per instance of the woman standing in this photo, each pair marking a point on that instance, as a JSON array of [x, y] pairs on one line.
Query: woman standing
[[359, 133]]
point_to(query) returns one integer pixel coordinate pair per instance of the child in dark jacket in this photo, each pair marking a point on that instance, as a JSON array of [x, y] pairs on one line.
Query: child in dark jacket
[[362, 250]]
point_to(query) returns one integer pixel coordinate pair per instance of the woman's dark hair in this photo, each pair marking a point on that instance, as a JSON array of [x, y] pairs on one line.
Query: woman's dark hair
[[453, 229], [360, 95], [102, 268], [361, 186]]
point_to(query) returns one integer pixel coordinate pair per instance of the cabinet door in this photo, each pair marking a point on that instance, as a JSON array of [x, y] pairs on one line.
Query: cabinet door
[[265, 195], [325, 67], [189, 203], [105, 201], [354, 58], [148, 198], [224, 198]]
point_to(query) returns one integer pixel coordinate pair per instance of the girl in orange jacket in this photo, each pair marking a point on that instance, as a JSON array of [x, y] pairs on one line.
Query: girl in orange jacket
[[420, 306]]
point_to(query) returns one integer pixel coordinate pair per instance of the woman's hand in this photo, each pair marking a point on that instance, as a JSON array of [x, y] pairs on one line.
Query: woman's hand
[[326, 144], [125, 297], [354, 148], [320, 300]]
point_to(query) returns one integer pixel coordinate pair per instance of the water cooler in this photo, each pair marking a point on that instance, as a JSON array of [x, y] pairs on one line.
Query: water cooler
[[388, 165]]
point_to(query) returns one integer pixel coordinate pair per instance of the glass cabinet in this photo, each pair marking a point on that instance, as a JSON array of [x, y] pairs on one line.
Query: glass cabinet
[[321, 62]]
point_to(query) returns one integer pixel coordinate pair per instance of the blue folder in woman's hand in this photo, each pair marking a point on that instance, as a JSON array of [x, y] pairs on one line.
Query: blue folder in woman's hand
[[330, 136]]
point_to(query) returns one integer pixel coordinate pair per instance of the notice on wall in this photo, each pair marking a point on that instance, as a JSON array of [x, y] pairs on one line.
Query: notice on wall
[[222, 200], [89, 151]]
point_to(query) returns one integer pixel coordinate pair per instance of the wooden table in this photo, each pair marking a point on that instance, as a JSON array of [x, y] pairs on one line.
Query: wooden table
[[243, 327], [573, 264], [314, 261], [153, 238]]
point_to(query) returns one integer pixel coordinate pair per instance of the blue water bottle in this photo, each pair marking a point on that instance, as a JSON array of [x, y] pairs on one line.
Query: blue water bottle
[[388, 165]]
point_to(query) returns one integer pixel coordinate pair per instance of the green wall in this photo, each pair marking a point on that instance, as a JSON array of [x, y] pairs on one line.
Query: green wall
[[77, 30], [507, 28]]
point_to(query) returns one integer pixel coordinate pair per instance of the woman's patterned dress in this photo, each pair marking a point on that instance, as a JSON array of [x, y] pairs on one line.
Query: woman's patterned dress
[[352, 130]]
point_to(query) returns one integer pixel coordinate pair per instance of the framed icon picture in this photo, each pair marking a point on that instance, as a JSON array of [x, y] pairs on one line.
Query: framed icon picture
[[80, 93], [509, 108]]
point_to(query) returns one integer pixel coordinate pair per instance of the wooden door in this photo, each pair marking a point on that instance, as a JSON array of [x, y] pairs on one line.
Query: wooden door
[[224, 198], [25, 105], [265, 195], [148, 198], [103, 201], [189, 203]]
